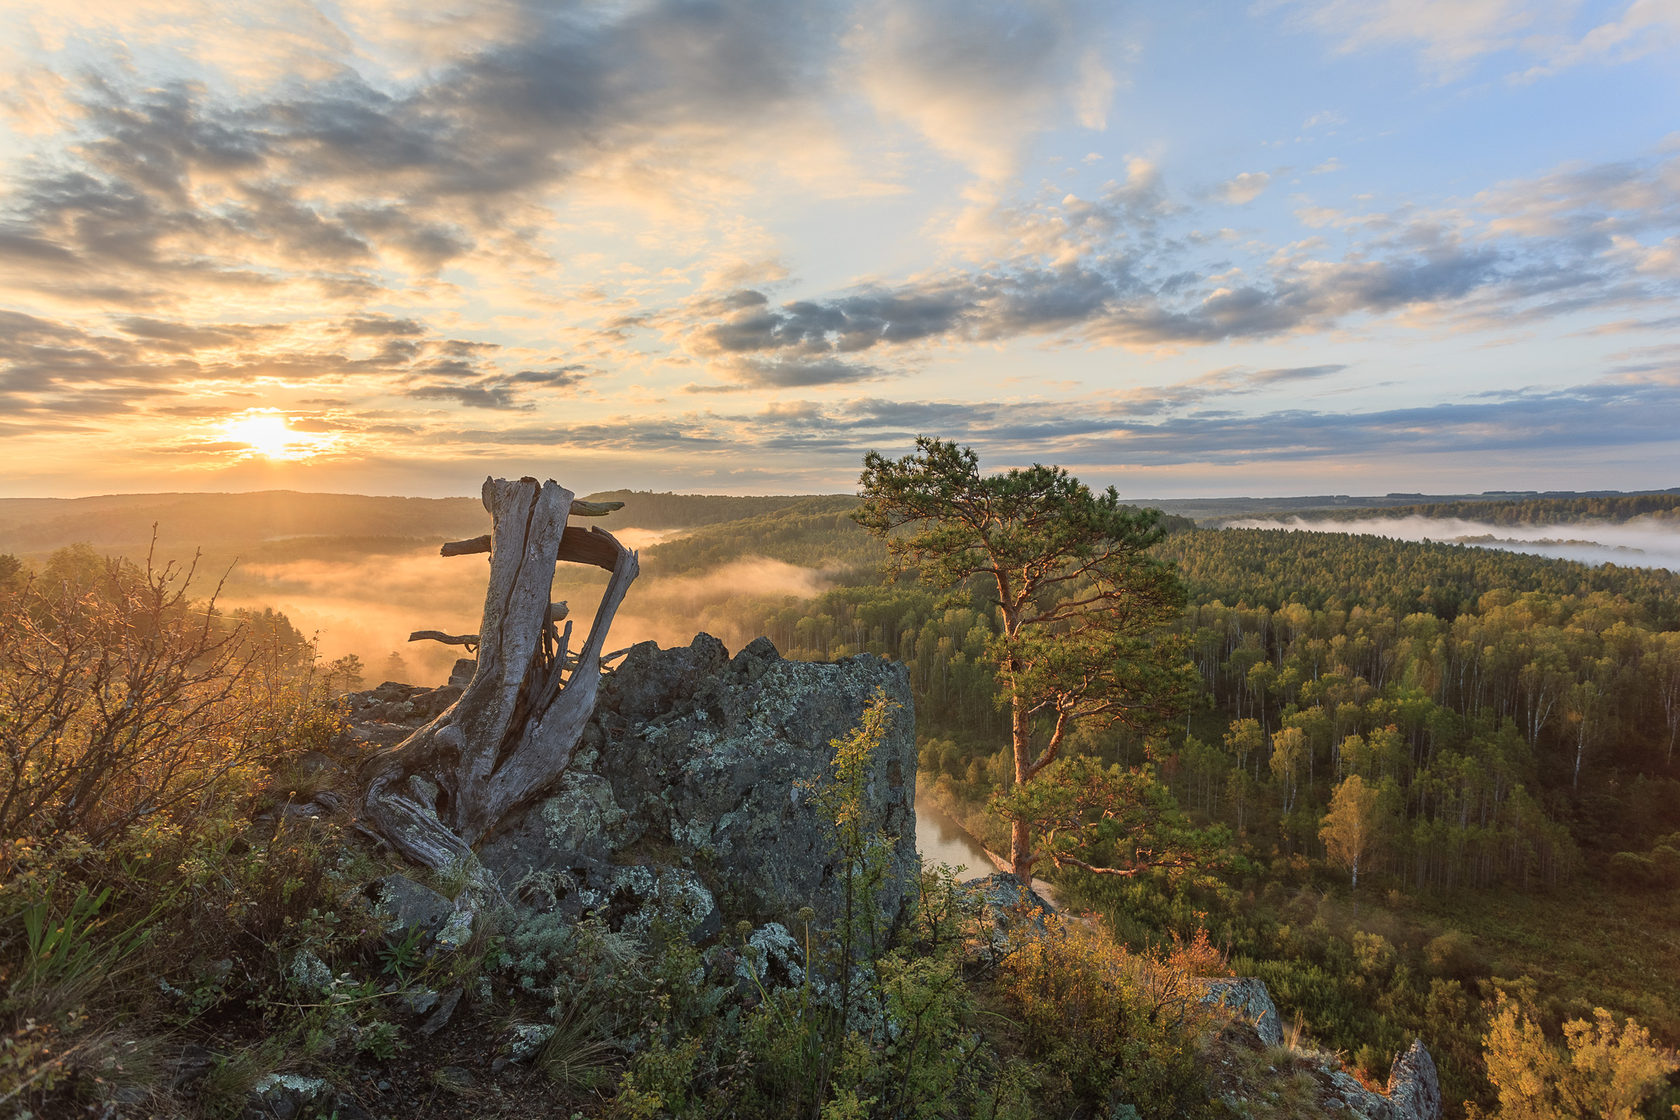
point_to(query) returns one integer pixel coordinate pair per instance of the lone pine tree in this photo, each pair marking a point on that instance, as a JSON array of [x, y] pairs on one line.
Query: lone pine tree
[[1082, 607]]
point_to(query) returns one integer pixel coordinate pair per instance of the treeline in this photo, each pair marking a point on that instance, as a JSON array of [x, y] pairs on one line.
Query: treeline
[[1613, 508]]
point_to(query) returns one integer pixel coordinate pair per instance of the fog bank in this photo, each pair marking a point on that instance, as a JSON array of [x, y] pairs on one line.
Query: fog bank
[[1643, 542], [368, 605]]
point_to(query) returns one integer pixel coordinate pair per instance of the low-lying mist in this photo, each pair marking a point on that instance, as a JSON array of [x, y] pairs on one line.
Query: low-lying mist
[[368, 605], [1642, 542]]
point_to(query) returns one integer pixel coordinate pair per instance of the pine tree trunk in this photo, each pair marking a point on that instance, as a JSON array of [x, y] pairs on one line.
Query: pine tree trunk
[[1020, 832]]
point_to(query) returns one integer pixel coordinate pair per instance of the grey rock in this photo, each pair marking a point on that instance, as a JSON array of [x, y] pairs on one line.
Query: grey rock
[[1414, 1087], [433, 702], [771, 958], [699, 767], [310, 972], [328, 800], [457, 929], [282, 1096], [575, 829], [1007, 911], [717, 756], [1249, 998], [447, 1003], [419, 1000], [406, 905], [379, 734], [195, 1061]]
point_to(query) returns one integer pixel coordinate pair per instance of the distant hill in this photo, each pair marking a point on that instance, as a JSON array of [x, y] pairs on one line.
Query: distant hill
[[1212, 512], [218, 523], [286, 524], [645, 509]]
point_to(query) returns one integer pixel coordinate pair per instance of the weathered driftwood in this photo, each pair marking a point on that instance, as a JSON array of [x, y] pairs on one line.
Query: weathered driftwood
[[557, 612], [468, 640], [512, 732]]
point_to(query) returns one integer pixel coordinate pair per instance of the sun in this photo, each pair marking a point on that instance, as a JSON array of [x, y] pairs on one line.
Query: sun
[[269, 435]]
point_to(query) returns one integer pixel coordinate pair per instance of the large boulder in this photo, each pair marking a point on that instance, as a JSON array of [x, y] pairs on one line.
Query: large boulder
[[707, 764]]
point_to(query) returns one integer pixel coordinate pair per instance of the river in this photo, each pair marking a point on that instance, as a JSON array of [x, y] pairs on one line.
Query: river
[[939, 839]]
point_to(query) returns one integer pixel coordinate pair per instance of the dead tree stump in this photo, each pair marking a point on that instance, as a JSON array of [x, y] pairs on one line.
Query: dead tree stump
[[517, 722]]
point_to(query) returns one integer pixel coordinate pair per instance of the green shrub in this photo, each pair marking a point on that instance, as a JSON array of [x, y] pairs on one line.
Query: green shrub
[[1108, 1026], [1632, 871]]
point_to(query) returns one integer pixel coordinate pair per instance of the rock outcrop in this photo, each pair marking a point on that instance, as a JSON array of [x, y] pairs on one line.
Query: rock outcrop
[[1414, 1088], [689, 800]]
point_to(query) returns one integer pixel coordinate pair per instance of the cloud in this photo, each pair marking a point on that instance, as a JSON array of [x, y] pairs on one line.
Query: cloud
[[1103, 273], [1245, 188], [977, 77], [1451, 35], [1101, 302], [1297, 373], [796, 372], [57, 366], [328, 184], [1147, 428]]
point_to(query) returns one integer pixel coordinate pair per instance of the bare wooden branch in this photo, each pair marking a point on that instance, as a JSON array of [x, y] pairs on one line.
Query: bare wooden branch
[[577, 544], [589, 546], [519, 718], [466, 547], [468, 640]]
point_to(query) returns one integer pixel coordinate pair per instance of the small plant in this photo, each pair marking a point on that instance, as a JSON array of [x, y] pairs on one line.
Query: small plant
[[402, 957], [380, 1039], [578, 1054]]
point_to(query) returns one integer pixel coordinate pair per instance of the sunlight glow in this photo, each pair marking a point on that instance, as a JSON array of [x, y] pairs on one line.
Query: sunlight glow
[[270, 435]]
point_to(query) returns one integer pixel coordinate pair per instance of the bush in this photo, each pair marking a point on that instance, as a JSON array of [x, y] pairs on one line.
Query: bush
[[1110, 1027], [122, 700], [1634, 872], [1604, 1071], [139, 731]]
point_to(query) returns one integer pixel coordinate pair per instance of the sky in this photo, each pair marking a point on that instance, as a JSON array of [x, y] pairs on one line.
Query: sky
[[1273, 248]]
